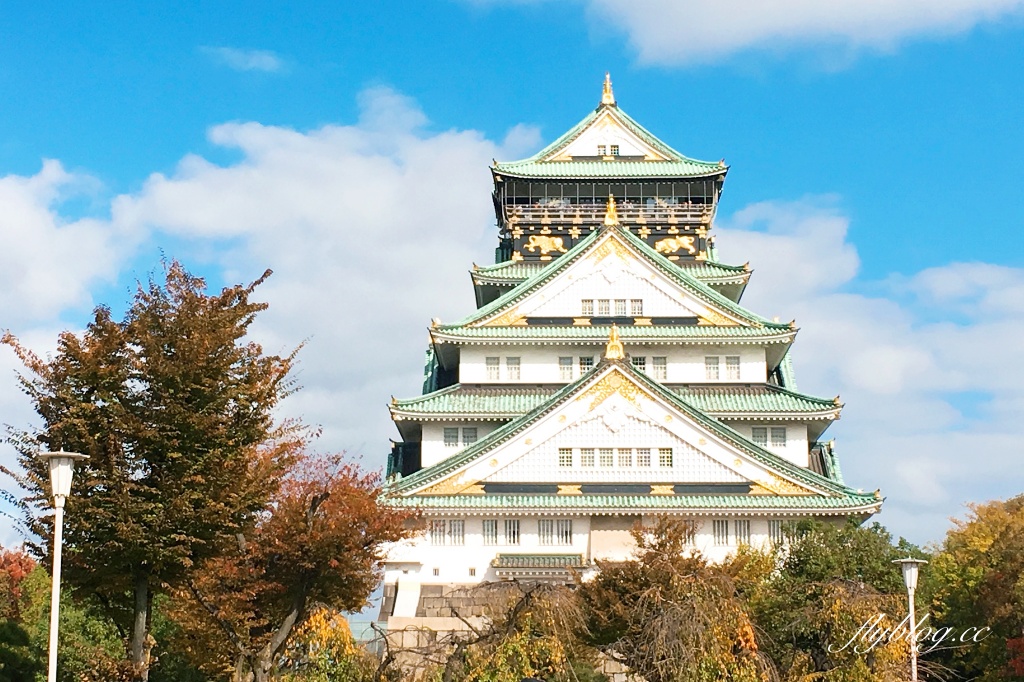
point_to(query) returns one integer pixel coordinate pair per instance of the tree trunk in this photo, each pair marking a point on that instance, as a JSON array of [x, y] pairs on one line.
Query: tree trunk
[[140, 628]]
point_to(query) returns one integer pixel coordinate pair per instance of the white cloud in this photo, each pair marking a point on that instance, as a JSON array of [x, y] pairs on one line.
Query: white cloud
[[931, 413], [686, 31], [245, 60]]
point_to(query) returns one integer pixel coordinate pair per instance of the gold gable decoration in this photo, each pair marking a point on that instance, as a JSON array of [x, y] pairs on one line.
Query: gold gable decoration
[[510, 318], [614, 350], [453, 486], [713, 318], [610, 385]]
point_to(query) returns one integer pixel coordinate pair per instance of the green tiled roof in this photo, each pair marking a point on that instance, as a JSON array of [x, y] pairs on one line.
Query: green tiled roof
[[691, 284], [538, 561], [514, 272], [510, 401], [848, 501], [632, 333], [677, 165], [507, 431]]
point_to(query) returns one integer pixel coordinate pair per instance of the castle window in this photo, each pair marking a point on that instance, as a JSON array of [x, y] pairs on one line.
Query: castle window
[[512, 368], [456, 532], [493, 368], [586, 364], [620, 307], [565, 369], [759, 434], [625, 457], [732, 367], [469, 435], [720, 529], [490, 531], [437, 572], [775, 531], [615, 150], [639, 363], [437, 531], [587, 457], [554, 532], [472, 572], [742, 528], [664, 457], [636, 306], [659, 367], [602, 150], [565, 457], [587, 307], [451, 437], [605, 457], [604, 307], [778, 436], [511, 531], [643, 457], [711, 368]]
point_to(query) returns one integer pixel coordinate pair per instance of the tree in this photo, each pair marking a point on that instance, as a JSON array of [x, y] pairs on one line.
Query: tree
[[809, 596], [977, 580], [669, 615], [174, 408], [318, 541], [15, 565]]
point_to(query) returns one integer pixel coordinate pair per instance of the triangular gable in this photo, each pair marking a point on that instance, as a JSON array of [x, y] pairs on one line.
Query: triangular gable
[[593, 266], [614, 387], [603, 131]]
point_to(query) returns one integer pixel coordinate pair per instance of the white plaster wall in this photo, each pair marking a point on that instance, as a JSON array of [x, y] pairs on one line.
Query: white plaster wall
[[537, 364], [797, 448], [433, 448]]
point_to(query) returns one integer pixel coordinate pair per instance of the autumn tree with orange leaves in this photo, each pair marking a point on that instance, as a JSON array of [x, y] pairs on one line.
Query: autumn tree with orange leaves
[[319, 542]]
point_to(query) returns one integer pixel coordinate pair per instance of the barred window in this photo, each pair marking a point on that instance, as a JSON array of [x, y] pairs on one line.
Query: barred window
[[605, 458], [620, 307], [625, 457], [587, 457], [720, 529], [493, 368], [778, 436], [664, 457], [456, 532], [437, 532], [563, 531], [604, 307], [472, 572], [639, 363], [511, 531], [554, 532], [659, 367], [775, 531], [586, 364], [643, 457], [490, 531], [587, 307], [615, 150], [565, 369], [602, 150], [636, 306], [565, 457], [742, 527], [512, 368], [711, 368], [759, 434], [468, 435], [690, 531], [451, 437], [732, 367]]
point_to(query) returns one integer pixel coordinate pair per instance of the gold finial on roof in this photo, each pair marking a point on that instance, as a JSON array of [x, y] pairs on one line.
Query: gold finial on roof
[[614, 350], [611, 214], [607, 96]]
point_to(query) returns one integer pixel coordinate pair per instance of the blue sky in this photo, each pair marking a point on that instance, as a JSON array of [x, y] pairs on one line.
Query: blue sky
[[876, 160]]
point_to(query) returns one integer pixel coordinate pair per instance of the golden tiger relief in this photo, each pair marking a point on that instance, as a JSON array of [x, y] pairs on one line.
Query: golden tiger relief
[[546, 244], [674, 244]]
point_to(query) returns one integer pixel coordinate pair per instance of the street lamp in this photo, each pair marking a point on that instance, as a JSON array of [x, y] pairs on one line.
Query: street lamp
[[62, 468], [911, 567]]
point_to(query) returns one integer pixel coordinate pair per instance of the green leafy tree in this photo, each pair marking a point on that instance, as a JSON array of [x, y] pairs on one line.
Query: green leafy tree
[[809, 596], [977, 580], [174, 407]]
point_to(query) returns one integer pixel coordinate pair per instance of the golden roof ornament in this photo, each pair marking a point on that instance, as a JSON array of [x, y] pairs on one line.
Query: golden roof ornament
[[611, 214], [607, 96], [614, 350]]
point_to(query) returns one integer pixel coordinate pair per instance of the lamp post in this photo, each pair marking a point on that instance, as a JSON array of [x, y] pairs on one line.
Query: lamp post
[[911, 567], [62, 469]]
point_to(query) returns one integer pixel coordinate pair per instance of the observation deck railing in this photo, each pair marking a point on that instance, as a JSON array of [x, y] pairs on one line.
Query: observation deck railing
[[629, 213]]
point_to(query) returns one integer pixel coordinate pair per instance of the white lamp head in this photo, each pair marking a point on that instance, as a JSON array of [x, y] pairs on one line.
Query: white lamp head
[[62, 468], [910, 568]]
